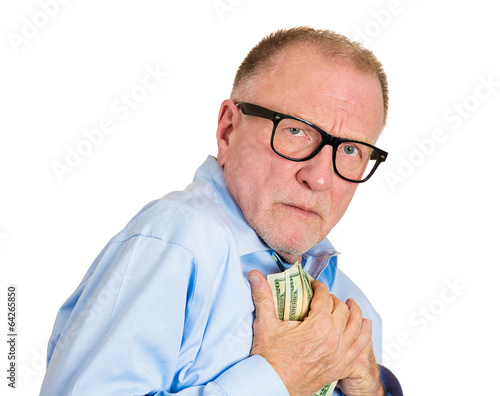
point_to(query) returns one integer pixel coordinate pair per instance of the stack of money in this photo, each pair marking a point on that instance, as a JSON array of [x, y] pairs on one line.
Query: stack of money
[[292, 294]]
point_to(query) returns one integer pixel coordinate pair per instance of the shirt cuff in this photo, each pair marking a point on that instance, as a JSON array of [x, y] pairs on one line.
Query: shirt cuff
[[250, 377], [390, 382]]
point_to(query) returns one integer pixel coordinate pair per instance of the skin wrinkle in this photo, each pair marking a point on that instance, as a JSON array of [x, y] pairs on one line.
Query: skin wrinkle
[[339, 132], [332, 130]]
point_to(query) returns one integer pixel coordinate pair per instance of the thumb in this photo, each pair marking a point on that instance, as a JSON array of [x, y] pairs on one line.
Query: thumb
[[262, 296]]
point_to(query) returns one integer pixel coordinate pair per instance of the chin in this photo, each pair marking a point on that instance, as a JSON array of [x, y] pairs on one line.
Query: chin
[[287, 234], [290, 247]]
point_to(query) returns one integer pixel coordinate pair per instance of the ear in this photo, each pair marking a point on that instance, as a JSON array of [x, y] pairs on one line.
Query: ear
[[228, 117]]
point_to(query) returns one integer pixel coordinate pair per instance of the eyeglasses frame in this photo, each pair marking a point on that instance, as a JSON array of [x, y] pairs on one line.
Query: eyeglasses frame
[[326, 139]]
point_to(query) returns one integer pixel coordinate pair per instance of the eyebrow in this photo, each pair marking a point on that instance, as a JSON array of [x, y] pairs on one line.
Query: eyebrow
[[357, 139], [360, 139]]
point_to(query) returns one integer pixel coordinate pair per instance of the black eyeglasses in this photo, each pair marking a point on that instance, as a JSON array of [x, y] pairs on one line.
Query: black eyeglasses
[[299, 140]]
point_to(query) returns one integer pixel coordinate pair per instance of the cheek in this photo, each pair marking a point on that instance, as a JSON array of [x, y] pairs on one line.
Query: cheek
[[245, 178]]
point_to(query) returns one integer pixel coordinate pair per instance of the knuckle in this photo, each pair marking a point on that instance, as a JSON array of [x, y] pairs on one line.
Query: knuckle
[[343, 307], [354, 307], [323, 326]]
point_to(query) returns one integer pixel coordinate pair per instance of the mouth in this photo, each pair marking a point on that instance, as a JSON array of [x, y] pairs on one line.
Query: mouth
[[301, 209]]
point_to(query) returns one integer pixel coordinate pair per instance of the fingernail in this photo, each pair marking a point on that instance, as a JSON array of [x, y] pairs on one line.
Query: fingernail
[[254, 279]]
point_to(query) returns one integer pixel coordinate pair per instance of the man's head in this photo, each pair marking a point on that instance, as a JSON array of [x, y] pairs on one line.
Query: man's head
[[320, 77], [332, 45]]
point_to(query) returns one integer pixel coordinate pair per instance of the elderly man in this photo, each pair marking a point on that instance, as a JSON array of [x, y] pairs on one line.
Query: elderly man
[[178, 302]]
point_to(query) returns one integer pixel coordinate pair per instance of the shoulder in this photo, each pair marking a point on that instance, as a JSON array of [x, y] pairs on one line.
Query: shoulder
[[189, 218], [183, 225]]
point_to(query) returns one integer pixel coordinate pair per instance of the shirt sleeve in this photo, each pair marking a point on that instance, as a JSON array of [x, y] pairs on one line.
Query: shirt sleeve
[[391, 383], [122, 330], [250, 377]]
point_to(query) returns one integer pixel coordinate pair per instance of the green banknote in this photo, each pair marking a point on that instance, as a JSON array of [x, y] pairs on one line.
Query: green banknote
[[277, 282]]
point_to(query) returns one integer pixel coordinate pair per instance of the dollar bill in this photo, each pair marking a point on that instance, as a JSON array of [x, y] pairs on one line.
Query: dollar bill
[[327, 390], [292, 295], [277, 282], [306, 281]]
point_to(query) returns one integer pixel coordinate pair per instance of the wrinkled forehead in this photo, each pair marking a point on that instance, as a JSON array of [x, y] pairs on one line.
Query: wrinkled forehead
[[334, 95]]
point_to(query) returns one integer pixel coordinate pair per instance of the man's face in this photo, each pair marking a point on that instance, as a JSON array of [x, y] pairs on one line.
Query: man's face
[[293, 205]]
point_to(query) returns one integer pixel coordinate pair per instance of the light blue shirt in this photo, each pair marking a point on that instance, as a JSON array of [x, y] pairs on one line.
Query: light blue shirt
[[166, 307]]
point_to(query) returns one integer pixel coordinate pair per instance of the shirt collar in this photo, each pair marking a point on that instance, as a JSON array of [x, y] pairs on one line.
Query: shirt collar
[[316, 258]]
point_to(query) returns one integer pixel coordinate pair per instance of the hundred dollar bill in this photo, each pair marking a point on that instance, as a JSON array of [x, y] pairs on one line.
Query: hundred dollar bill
[[292, 294]]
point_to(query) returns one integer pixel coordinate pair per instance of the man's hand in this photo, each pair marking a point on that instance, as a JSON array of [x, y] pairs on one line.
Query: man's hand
[[364, 376], [332, 343]]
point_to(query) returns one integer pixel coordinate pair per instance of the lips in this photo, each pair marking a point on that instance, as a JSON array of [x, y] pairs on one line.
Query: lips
[[302, 209]]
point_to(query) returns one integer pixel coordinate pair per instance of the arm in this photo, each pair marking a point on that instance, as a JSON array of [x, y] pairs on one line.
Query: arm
[[132, 326]]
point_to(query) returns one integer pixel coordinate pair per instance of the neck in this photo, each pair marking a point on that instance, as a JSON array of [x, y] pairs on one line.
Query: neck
[[289, 258]]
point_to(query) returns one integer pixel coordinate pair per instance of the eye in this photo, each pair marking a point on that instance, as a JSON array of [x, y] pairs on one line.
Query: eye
[[296, 131], [350, 150]]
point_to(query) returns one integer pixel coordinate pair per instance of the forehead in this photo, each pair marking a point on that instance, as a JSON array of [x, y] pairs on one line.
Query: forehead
[[333, 95]]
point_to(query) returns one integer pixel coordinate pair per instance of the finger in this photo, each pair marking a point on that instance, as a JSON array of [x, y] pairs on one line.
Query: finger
[[362, 342], [354, 323], [262, 296], [340, 315], [321, 299]]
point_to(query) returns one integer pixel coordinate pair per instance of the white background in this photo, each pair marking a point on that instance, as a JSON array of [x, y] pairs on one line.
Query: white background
[[420, 238]]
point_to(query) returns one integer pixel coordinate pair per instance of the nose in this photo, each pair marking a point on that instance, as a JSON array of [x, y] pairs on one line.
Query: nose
[[317, 173]]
